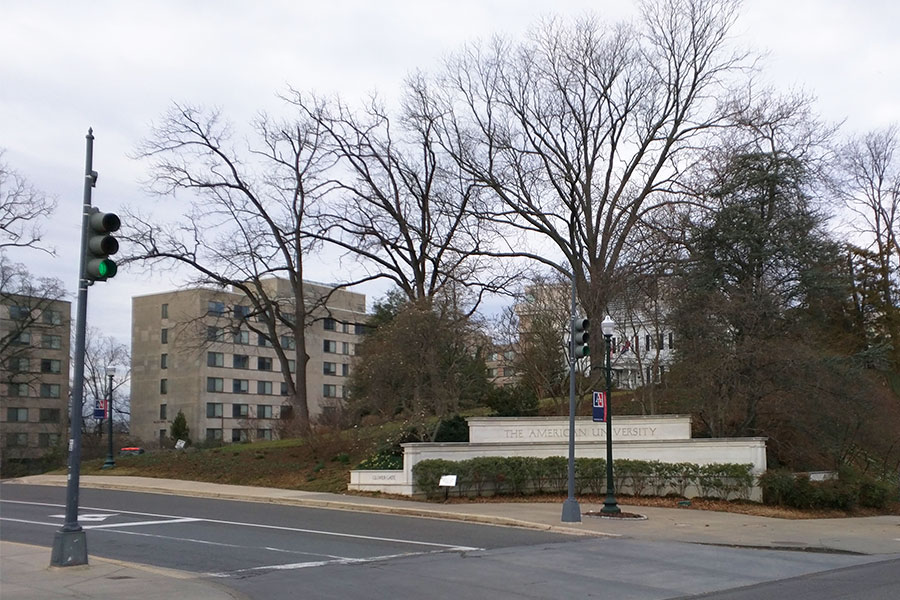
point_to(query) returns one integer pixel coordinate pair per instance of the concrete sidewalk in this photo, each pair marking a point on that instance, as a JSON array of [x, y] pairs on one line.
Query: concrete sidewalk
[[867, 535], [25, 574]]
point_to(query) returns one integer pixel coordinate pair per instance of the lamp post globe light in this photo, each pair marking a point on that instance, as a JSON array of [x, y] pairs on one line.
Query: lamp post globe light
[[609, 504], [110, 457]]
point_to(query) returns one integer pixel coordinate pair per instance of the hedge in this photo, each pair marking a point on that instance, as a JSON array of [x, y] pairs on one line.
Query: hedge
[[847, 492], [522, 475]]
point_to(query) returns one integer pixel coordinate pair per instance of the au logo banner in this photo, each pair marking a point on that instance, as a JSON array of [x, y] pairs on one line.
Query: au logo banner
[[599, 407]]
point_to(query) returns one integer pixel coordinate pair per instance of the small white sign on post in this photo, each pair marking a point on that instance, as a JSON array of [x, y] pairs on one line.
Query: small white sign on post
[[179, 444], [447, 481]]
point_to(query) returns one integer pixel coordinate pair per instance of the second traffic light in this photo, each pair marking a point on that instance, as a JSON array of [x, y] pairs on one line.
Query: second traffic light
[[580, 337], [100, 245]]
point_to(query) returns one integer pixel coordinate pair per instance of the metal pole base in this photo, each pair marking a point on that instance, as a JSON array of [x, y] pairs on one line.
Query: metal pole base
[[69, 549], [571, 512], [109, 464], [609, 506]]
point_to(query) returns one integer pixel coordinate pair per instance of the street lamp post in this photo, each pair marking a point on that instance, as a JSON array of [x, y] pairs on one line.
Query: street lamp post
[[609, 505], [110, 457]]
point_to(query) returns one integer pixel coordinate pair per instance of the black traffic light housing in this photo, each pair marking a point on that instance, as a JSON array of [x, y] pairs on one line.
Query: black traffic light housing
[[580, 337], [100, 245]]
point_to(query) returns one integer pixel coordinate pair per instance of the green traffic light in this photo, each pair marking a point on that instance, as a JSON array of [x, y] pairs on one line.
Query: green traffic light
[[107, 268]]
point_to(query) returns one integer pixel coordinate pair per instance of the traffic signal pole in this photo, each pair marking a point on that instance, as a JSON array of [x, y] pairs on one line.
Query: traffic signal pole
[[571, 511], [70, 542]]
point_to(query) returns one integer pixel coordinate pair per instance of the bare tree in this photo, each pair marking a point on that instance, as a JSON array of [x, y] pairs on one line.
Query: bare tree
[[27, 298], [584, 131], [405, 211], [247, 223], [22, 208], [870, 189], [101, 352]]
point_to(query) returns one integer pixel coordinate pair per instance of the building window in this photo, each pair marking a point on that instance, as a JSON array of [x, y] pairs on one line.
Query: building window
[[50, 390], [671, 340], [329, 324], [240, 386], [292, 365], [51, 342], [329, 390], [284, 388], [329, 368], [19, 365], [262, 340], [52, 317], [264, 411], [163, 336], [50, 365], [508, 371], [661, 340], [241, 361], [241, 312], [163, 386], [287, 412], [263, 363], [18, 390], [264, 387], [164, 311], [239, 411], [346, 348], [345, 370], [329, 346], [162, 436], [264, 434], [23, 338], [242, 337], [215, 308], [16, 440], [17, 415], [240, 435], [213, 410], [213, 435], [49, 415], [48, 440], [163, 409], [492, 372], [647, 342], [215, 359], [163, 361], [215, 334], [359, 329], [509, 355], [19, 313], [215, 384], [288, 342]]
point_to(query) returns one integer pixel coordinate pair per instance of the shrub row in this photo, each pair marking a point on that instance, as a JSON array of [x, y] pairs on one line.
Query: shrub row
[[848, 491], [519, 475]]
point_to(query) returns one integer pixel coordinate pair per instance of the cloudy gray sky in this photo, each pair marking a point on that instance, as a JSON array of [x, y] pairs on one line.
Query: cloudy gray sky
[[66, 65]]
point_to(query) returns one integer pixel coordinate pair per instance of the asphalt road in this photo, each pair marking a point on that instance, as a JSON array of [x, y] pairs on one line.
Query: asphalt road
[[268, 551]]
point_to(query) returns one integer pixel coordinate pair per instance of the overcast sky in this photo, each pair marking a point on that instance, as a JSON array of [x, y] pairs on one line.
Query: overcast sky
[[117, 65]]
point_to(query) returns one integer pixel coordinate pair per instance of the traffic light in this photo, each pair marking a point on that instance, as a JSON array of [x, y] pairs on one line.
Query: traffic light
[[580, 337], [100, 244]]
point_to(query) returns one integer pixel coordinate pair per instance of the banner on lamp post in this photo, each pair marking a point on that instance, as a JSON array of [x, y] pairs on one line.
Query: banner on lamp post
[[599, 407]]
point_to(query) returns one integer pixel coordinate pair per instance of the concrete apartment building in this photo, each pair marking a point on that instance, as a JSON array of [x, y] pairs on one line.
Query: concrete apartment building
[[190, 354], [34, 376]]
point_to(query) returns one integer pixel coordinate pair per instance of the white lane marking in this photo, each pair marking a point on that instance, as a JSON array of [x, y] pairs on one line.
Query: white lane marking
[[142, 523], [322, 563], [88, 518], [450, 547], [223, 544], [29, 522]]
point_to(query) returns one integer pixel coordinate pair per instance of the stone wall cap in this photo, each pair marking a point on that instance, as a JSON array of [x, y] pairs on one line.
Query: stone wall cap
[[579, 419]]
